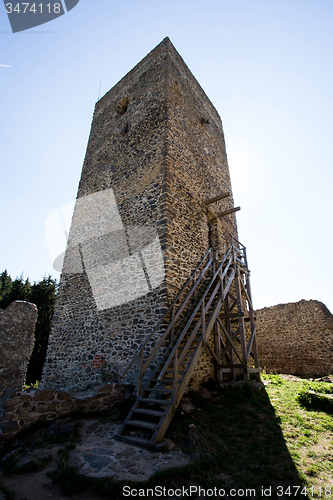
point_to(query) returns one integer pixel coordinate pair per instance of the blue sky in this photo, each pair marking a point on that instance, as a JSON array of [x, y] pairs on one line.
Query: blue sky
[[265, 65]]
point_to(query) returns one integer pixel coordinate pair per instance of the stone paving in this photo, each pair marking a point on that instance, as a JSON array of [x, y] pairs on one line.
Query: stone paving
[[100, 455]]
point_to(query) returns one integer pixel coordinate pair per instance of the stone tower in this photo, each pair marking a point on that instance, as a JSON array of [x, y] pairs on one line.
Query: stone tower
[[156, 152]]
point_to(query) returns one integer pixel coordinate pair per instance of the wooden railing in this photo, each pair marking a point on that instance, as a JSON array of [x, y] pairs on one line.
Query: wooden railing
[[235, 255], [175, 309]]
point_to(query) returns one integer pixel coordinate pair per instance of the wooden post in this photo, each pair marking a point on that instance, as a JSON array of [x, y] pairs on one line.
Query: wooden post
[[222, 286], [228, 328], [172, 320], [175, 379], [241, 318], [203, 323], [195, 291], [140, 373], [217, 345], [252, 322]]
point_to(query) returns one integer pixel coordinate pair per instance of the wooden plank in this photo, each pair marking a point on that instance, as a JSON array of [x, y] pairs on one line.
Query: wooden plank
[[229, 339], [230, 316], [217, 198], [141, 423], [217, 341], [247, 296], [213, 317], [241, 323], [233, 366], [175, 379], [233, 299], [212, 297], [159, 433], [227, 212], [230, 356], [154, 401], [146, 411], [252, 321], [249, 347]]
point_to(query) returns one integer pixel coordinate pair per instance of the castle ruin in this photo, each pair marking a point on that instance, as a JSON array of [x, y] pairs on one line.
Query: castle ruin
[[153, 266]]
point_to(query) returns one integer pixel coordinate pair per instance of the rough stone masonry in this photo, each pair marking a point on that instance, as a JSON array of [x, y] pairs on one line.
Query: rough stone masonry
[[156, 152], [17, 326], [296, 338]]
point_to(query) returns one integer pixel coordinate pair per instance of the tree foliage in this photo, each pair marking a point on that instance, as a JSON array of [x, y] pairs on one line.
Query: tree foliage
[[41, 293]]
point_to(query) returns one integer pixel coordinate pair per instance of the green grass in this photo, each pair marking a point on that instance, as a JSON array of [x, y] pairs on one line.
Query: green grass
[[238, 427], [307, 425], [256, 438]]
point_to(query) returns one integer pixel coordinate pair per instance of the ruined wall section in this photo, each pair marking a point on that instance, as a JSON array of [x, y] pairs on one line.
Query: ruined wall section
[[17, 326], [296, 338], [112, 288]]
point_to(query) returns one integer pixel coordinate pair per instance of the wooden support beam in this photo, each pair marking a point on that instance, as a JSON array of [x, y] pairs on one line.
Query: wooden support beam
[[227, 212], [229, 339], [217, 198], [247, 296], [231, 316], [249, 347], [233, 366]]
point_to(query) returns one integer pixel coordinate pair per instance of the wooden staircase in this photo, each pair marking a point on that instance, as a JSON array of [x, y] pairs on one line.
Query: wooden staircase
[[204, 306]]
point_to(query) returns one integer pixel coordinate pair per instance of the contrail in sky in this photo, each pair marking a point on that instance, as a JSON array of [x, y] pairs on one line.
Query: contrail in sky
[[5, 65]]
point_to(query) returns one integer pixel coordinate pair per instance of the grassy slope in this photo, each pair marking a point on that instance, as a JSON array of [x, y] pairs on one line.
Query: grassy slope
[[308, 432], [254, 438]]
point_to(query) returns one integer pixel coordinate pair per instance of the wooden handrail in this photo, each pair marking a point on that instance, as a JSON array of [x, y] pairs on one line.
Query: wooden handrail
[[237, 241], [197, 308], [229, 263], [147, 339]]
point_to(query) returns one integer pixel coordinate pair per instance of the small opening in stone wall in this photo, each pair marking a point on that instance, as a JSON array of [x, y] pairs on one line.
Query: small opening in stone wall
[[125, 128], [122, 106], [204, 121]]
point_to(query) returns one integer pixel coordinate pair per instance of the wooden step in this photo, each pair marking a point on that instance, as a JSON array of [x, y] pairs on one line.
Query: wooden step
[[142, 423], [133, 440], [146, 411], [158, 389], [155, 401]]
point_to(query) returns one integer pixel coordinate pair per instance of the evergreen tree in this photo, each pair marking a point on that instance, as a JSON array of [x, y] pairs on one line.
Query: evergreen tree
[[5, 284], [13, 290], [42, 294]]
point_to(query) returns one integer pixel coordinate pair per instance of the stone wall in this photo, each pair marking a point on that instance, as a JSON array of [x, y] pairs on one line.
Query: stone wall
[[17, 326], [296, 338], [140, 227], [19, 410]]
